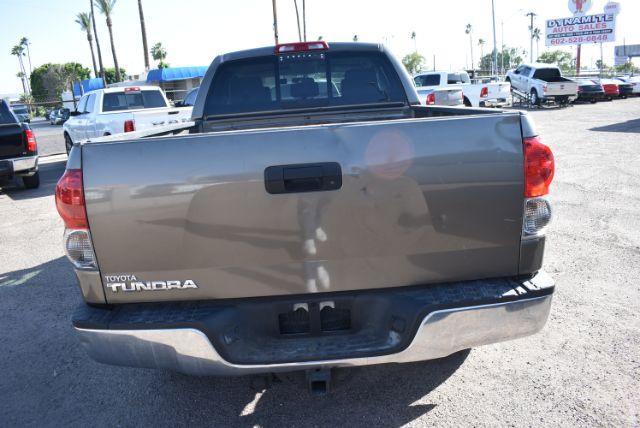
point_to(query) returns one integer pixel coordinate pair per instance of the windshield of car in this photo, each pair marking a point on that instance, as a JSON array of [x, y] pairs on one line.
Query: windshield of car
[[5, 114], [301, 81], [132, 100]]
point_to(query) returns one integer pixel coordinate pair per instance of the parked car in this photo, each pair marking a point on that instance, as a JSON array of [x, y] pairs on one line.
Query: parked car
[[60, 116], [625, 89], [21, 112], [434, 90], [474, 95], [611, 89], [18, 149], [189, 99], [117, 110], [633, 80], [543, 82], [589, 90], [310, 229]]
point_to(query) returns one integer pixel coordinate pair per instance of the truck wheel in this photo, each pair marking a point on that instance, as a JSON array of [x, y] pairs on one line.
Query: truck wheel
[[31, 182], [467, 103], [535, 100], [67, 143]]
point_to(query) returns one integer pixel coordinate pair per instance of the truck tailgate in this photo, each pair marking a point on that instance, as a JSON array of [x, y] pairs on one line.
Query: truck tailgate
[[421, 200], [11, 141], [561, 88], [146, 119]]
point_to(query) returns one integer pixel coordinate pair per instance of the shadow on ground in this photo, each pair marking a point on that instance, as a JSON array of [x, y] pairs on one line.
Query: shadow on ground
[[630, 126], [53, 382], [49, 175]]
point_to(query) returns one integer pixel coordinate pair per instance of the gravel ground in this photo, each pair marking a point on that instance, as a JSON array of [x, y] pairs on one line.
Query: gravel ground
[[582, 369]]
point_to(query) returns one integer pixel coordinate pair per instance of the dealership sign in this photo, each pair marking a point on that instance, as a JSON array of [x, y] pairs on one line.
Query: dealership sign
[[577, 30]]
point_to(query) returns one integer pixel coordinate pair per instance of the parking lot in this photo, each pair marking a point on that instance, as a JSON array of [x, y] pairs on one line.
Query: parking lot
[[582, 369]]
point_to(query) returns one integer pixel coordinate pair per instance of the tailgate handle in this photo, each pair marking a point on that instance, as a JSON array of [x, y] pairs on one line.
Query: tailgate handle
[[308, 177]]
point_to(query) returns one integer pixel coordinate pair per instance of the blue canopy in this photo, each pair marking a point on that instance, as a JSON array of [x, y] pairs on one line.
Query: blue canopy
[[175, 73], [87, 85]]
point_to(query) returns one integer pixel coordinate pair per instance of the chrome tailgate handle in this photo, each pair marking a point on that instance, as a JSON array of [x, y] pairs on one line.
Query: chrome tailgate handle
[[310, 177]]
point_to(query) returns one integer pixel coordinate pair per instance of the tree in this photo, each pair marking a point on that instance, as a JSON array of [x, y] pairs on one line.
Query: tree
[[95, 33], [18, 51], [413, 62], [510, 57], [627, 67], [50, 80], [355, 37], [159, 53], [535, 35], [106, 8], [481, 43], [110, 75], [562, 59], [319, 37], [84, 20], [143, 29], [25, 43], [468, 30], [413, 37]]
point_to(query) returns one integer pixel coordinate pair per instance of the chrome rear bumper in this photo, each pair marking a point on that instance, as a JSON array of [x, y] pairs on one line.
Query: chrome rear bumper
[[440, 333]]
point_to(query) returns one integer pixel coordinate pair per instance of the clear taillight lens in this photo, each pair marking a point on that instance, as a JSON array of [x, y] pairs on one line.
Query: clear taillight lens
[[537, 215], [78, 247]]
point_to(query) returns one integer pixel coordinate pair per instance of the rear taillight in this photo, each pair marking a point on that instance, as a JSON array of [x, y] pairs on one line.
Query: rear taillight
[[431, 99], [129, 126], [484, 92], [71, 207], [319, 45], [70, 200], [30, 140], [539, 168]]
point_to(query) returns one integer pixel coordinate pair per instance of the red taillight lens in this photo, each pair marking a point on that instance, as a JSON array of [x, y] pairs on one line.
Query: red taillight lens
[[484, 92], [70, 200], [129, 126], [30, 139], [539, 167], [320, 45], [431, 99]]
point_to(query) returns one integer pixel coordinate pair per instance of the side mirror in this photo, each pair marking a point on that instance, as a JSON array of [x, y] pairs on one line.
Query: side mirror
[[74, 113], [178, 104]]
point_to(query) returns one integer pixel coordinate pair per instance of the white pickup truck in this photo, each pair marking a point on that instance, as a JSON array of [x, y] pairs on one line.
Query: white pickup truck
[[493, 94], [113, 111], [543, 82], [432, 90]]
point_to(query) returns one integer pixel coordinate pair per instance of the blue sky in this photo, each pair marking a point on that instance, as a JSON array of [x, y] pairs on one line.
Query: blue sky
[[195, 31]]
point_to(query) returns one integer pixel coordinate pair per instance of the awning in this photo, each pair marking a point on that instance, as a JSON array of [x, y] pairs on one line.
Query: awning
[[87, 85], [175, 73]]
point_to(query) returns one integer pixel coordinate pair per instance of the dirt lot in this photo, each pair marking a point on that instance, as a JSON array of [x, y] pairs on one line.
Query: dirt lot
[[582, 369]]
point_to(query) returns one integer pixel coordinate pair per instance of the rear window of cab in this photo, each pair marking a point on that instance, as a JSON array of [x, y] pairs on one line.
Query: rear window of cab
[[132, 100], [302, 80]]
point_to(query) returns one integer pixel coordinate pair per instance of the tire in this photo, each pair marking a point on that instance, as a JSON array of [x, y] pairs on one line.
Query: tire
[[535, 100], [67, 143], [593, 101], [31, 182], [467, 103]]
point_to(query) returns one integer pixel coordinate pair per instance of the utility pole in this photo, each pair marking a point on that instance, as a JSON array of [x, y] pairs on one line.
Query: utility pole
[[304, 20], [494, 57], [532, 15], [275, 21], [502, 50]]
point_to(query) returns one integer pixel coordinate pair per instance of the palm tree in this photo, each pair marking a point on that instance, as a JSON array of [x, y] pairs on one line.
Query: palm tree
[[143, 29], [95, 33], [159, 53], [84, 21], [481, 43], [25, 42], [468, 31], [355, 37], [413, 37], [20, 75], [535, 35], [18, 50], [106, 8]]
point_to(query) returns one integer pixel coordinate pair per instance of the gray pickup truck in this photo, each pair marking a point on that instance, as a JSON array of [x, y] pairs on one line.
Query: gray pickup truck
[[315, 216]]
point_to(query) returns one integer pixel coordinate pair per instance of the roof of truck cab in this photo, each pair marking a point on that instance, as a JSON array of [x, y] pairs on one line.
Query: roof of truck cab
[[270, 50]]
